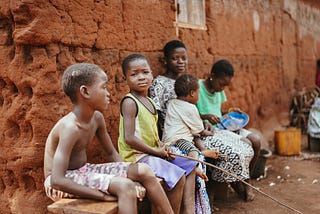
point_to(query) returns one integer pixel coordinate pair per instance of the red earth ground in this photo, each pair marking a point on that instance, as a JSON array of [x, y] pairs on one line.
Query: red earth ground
[[292, 180]]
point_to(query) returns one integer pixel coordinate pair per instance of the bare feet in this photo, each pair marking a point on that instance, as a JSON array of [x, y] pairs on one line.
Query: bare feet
[[210, 153], [201, 174], [239, 189], [249, 193], [140, 190], [244, 191], [214, 209]]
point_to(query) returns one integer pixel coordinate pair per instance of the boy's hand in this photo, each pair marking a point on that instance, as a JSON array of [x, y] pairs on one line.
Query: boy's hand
[[109, 198], [140, 190]]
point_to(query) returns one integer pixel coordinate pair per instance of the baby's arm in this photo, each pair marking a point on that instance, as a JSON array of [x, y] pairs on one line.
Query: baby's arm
[[129, 110], [206, 152], [105, 140], [206, 132], [67, 140]]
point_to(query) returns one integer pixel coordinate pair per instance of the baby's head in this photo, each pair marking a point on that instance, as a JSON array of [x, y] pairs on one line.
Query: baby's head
[[77, 75], [187, 86]]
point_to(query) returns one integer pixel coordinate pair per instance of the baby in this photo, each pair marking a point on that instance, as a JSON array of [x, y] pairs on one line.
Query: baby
[[183, 126]]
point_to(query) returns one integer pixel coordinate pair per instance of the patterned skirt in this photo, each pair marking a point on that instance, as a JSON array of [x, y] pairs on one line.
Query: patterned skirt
[[235, 156]]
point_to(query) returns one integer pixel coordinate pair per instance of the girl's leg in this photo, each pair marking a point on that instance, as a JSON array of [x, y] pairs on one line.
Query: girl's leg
[[142, 172], [124, 189], [249, 192], [175, 195], [256, 145], [188, 198]]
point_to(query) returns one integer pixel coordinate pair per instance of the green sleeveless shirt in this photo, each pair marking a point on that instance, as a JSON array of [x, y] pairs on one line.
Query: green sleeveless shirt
[[146, 130]]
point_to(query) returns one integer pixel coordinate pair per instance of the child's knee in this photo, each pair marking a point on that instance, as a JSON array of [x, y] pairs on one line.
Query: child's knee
[[121, 185], [256, 141], [145, 170], [246, 140]]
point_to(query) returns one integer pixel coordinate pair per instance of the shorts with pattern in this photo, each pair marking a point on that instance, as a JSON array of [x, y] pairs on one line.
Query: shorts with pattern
[[95, 176]]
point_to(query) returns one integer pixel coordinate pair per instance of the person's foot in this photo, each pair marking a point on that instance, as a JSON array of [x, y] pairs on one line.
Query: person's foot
[[140, 191], [239, 189], [214, 209], [210, 153], [201, 174], [249, 194]]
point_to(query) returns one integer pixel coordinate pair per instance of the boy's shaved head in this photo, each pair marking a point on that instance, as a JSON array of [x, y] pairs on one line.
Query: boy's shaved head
[[77, 75]]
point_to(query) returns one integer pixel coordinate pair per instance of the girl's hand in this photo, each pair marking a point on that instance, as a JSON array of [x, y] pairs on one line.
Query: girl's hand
[[169, 151], [213, 119], [236, 109], [161, 152]]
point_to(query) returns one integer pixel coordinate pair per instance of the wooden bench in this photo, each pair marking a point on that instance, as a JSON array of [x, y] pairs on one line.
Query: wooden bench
[[87, 206], [83, 206]]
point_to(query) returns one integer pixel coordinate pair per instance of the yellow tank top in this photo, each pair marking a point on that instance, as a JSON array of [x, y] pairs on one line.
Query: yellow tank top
[[146, 130]]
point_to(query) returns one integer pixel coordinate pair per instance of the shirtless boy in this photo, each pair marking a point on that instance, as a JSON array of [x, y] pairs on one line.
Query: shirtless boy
[[66, 170]]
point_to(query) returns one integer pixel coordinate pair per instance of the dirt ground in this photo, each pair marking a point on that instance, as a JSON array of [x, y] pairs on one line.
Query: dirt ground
[[292, 180]]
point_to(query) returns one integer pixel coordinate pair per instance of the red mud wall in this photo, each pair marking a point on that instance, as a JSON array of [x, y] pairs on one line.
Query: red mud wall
[[272, 44]]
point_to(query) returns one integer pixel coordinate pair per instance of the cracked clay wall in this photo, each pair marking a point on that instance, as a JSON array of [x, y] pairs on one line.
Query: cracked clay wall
[[272, 44]]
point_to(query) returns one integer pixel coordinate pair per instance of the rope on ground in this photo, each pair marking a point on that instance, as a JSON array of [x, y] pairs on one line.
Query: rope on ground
[[253, 187]]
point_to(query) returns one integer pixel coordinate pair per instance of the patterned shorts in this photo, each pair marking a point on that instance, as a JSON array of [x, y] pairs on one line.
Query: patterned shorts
[[95, 176]]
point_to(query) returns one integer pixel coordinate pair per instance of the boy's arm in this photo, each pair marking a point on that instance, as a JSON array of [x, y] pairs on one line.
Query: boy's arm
[[129, 110], [105, 140], [60, 164]]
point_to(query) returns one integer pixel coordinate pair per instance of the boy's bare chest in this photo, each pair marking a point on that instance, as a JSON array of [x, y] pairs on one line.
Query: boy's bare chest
[[86, 135]]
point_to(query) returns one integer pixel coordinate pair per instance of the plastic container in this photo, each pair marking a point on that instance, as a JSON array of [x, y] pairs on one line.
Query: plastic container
[[288, 141]]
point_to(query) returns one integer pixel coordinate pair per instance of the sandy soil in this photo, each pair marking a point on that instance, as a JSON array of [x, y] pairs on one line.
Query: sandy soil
[[292, 180]]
